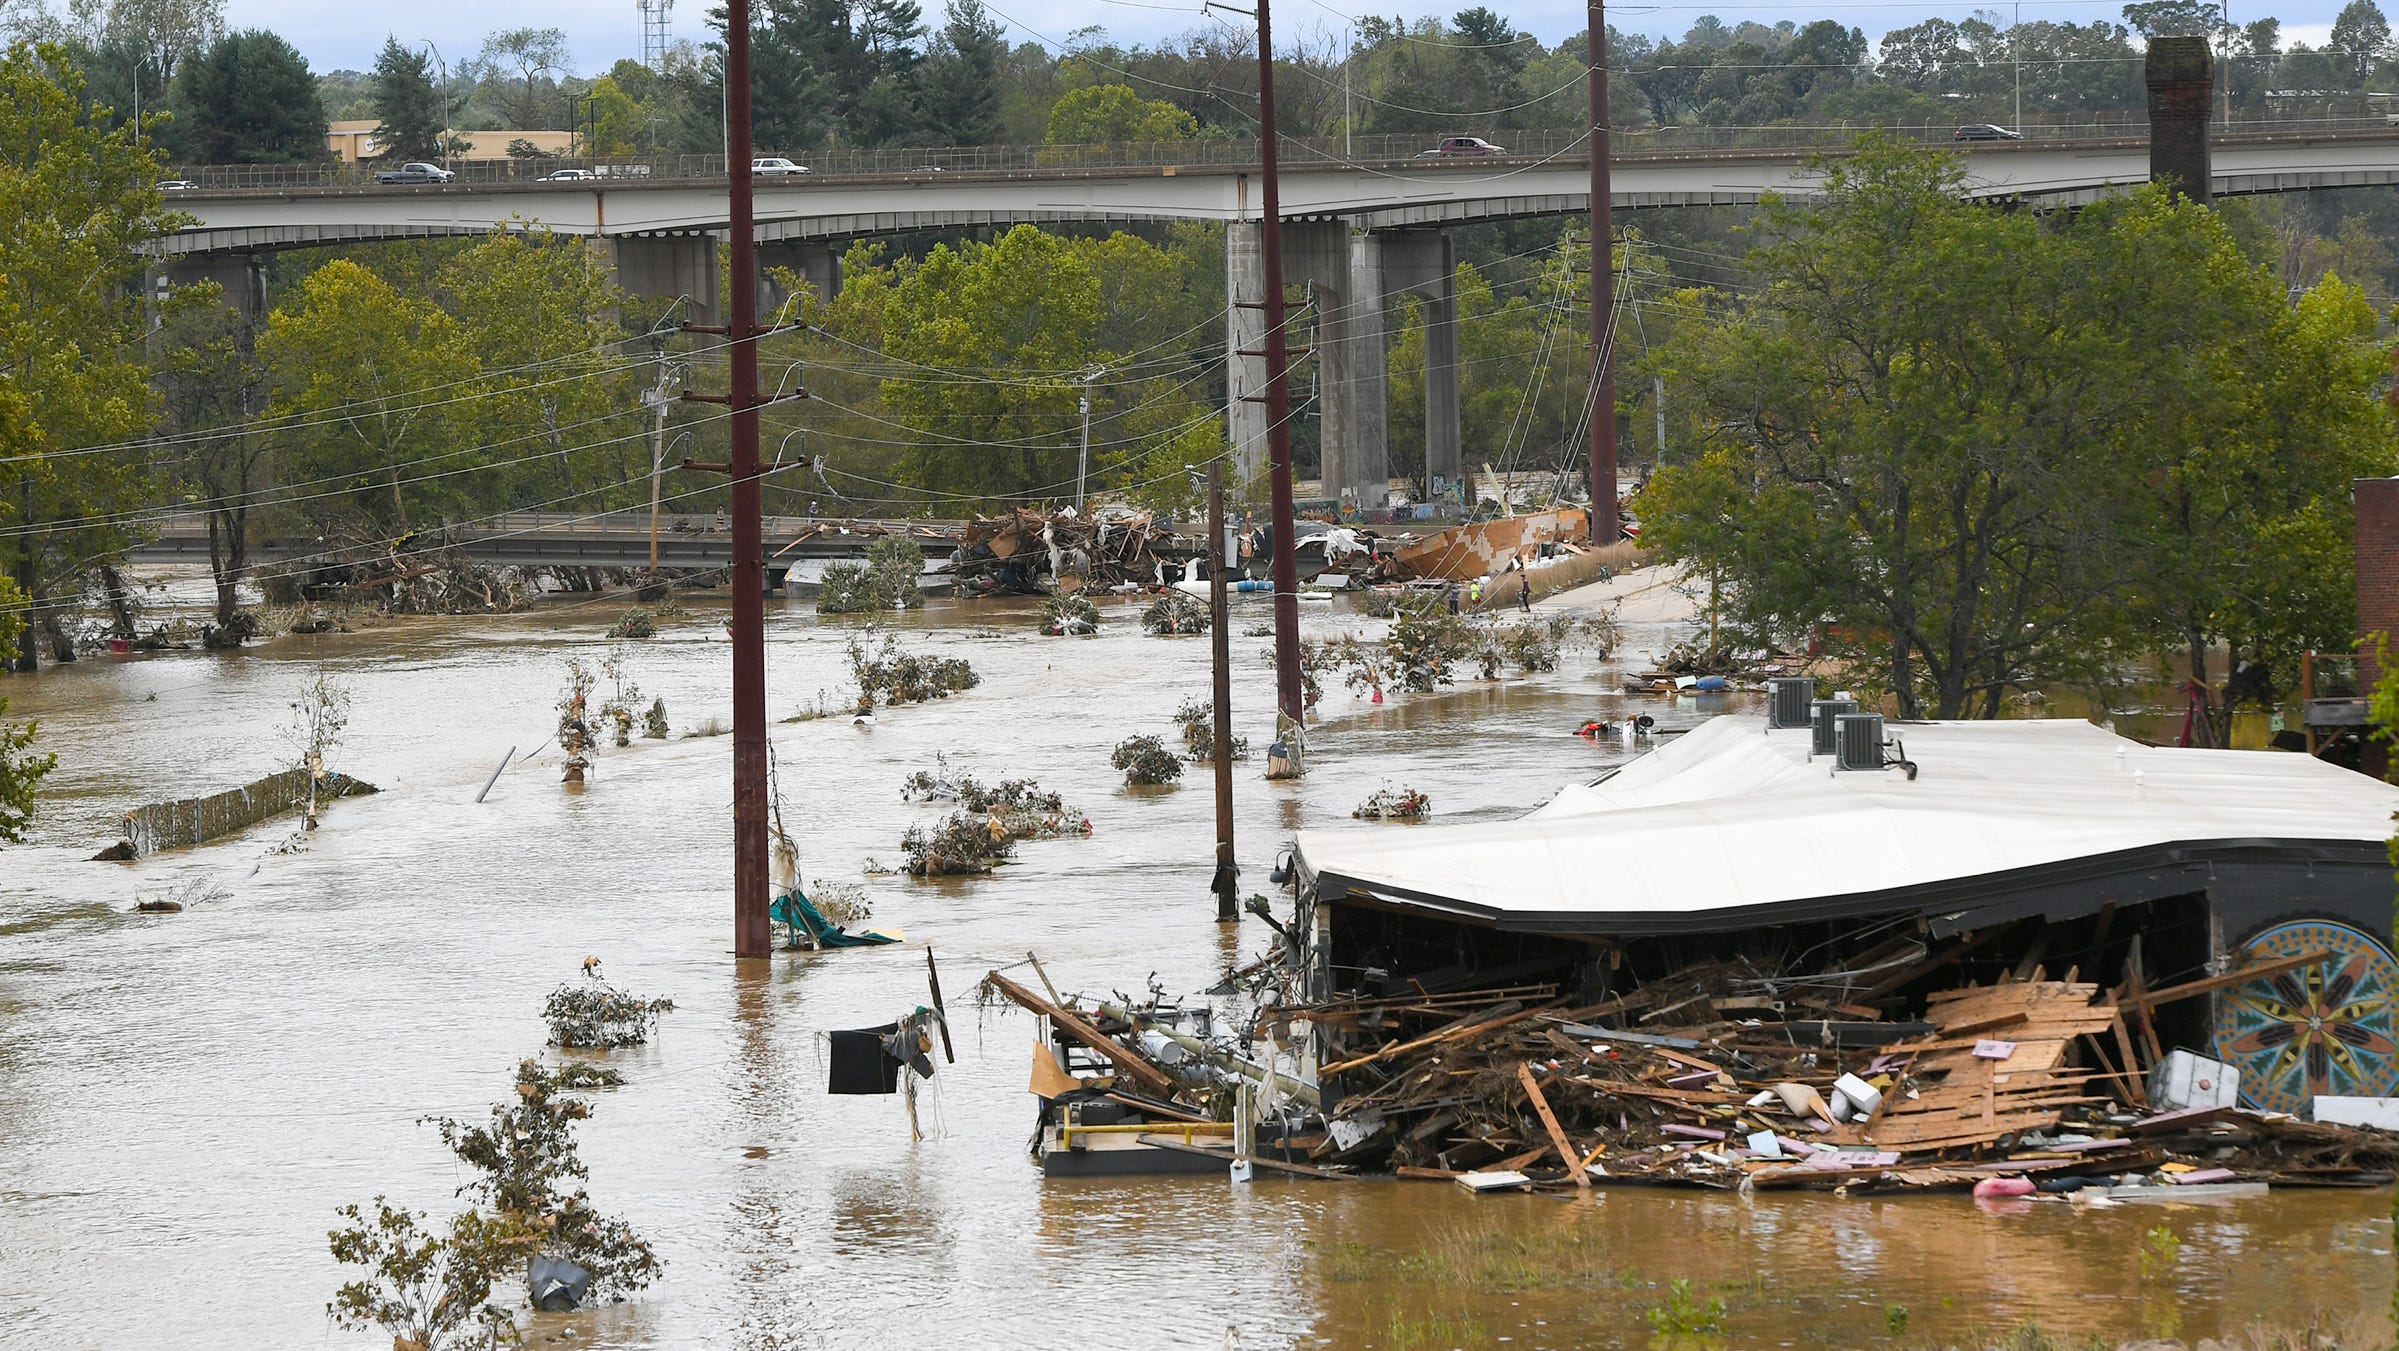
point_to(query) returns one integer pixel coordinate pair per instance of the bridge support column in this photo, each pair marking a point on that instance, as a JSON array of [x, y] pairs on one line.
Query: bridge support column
[[2180, 76], [1344, 276], [816, 263], [1244, 347], [241, 277], [1423, 261], [667, 266]]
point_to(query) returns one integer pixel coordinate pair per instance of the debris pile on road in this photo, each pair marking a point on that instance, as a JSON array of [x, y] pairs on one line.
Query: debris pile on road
[[1034, 553]]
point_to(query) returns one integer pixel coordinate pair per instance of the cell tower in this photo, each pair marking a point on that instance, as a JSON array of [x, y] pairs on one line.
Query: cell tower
[[657, 30]]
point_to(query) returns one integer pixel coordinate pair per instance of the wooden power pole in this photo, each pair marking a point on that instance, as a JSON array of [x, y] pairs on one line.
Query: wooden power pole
[[1220, 643], [1278, 405], [750, 932], [1603, 294]]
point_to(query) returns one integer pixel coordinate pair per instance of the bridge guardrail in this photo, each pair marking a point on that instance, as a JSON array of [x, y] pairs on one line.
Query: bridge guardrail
[[1225, 152]]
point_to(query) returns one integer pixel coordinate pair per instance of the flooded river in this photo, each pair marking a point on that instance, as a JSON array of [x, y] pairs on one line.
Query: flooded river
[[186, 1098]]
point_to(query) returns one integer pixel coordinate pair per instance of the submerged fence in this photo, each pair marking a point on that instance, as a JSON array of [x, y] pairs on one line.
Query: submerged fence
[[196, 820]]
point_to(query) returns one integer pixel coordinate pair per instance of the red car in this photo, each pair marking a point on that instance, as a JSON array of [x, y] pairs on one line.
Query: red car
[[1462, 145]]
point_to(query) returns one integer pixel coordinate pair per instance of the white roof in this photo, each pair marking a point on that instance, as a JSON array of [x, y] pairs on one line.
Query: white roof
[[1730, 816]]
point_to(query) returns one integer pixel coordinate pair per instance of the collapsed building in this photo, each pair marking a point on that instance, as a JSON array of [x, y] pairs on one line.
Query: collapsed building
[[2000, 940]]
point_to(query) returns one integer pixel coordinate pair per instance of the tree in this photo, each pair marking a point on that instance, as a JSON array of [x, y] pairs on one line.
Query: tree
[[211, 390], [1102, 113], [407, 105], [357, 365], [2159, 18], [79, 204], [2363, 35], [539, 308], [1915, 421], [1023, 304], [524, 64], [429, 1289], [251, 100], [962, 79], [21, 773], [614, 122]]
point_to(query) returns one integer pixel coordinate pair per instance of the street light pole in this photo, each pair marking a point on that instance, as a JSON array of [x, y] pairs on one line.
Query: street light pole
[[2015, 49], [442, 69]]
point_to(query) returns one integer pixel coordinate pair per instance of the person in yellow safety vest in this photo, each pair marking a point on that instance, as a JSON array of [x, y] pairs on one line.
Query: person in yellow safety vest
[[1474, 593]]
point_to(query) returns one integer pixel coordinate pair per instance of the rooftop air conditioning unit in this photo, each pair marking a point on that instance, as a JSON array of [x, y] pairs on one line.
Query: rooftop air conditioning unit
[[1825, 711], [1858, 741], [1787, 700]]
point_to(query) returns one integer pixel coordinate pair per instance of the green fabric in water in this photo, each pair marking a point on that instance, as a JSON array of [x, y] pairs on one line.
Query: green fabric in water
[[802, 917]]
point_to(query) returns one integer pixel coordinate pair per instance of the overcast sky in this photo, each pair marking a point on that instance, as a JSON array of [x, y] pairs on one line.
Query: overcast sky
[[334, 37]]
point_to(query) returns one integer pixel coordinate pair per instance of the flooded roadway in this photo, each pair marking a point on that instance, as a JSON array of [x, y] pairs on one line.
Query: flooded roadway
[[185, 1099]]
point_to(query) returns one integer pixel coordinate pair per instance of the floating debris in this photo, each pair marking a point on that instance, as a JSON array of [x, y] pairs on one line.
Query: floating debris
[[1394, 804], [634, 623], [961, 845]]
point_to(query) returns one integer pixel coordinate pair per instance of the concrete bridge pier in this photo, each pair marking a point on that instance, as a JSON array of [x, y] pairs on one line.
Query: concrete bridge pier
[[814, 261], [1423, 262], [662, 267], [1343, 275], [241, 277], [1244, 341]]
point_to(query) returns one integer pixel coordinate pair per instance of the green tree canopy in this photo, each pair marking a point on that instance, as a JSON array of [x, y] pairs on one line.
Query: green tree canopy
[[407, 105], [1959, 445], [79, 202], [380, 389], [1112, 112], [251, 100]]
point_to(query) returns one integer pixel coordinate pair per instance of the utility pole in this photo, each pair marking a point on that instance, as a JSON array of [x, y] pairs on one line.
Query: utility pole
[[1603, 293], [1220, 643], [750, 933], [1083, 462], [1278, 413], [2015, 51], [443, 71], [657, 399]]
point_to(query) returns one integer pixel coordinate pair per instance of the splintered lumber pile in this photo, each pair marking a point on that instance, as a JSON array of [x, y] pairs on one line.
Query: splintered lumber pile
[[1999, 1065], [1032, 551]]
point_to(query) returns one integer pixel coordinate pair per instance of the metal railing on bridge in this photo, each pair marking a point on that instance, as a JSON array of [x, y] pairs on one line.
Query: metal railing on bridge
[[1380, 150]]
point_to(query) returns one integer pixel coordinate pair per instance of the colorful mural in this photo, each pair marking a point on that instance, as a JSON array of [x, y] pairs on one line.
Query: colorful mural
[[2329, 1027]]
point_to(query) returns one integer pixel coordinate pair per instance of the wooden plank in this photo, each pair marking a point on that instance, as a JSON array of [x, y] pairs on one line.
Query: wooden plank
[[2213, 983], [1454, 1034], [1142, 1071], [1414, 1174], [2136, 1086], [1549, 1122]]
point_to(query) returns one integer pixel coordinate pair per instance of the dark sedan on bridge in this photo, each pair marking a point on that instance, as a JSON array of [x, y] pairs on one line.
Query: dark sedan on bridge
[[1984, 131]]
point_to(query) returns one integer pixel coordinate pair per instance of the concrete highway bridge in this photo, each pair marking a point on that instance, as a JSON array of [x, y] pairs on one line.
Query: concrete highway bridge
[[1365, 221]]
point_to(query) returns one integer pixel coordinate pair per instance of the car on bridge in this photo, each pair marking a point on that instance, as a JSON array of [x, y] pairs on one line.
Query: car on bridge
[[567, 176], [414, 172], [176, 185], [776, 167], [1984, 131], [1461, 145]]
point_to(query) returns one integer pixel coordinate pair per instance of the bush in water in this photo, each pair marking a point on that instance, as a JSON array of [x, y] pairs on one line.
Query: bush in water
[[1145, 760]]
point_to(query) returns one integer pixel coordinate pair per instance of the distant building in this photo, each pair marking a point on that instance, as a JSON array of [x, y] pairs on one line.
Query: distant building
[[353, 140]]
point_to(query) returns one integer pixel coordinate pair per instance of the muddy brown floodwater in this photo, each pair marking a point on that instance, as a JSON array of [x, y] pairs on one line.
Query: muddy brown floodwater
[[185, 1099]]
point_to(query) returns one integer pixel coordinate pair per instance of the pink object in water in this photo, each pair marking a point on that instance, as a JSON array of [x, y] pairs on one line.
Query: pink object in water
[[1378, 694], [2003, 1186]]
